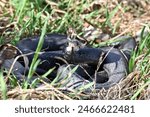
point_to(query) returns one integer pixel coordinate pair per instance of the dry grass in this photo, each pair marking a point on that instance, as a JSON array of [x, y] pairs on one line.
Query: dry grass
[[122, 91]]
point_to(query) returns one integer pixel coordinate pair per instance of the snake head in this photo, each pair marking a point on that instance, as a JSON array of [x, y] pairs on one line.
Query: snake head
[[72, 46]]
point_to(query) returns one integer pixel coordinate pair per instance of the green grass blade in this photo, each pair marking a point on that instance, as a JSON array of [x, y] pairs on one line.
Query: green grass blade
[[87, 86], [48, 72], [68, 75], [140, 90], [39, 47], [109, 16], [20, 9]]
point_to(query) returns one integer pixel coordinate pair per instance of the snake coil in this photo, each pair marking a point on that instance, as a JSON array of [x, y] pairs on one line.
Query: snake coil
[[106, 66]]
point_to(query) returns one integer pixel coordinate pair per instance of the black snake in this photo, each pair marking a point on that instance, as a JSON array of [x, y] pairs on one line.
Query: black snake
[[106, 66]]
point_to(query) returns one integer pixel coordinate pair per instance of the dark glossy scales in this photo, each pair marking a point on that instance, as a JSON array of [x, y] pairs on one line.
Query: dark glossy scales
[[52, 42], [113, 68]]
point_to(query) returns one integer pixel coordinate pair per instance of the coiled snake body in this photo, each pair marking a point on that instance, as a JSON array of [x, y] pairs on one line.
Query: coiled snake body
[[106, 66]]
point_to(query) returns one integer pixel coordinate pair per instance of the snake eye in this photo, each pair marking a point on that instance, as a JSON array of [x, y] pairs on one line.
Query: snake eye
[[8, 51]]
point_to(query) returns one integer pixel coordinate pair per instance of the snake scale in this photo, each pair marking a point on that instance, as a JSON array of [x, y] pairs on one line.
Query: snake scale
[[105, 66]]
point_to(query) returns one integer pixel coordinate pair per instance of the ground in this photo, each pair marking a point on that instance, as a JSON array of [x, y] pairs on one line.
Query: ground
[[23, 18]]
